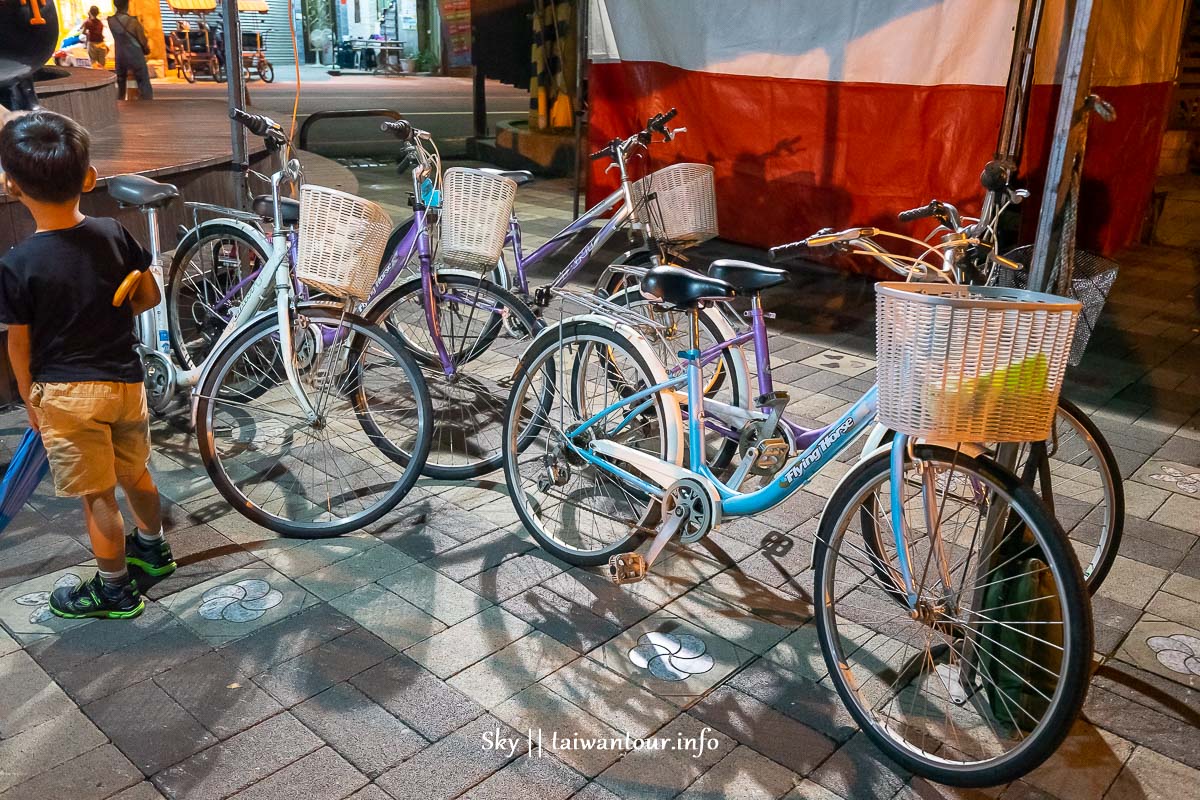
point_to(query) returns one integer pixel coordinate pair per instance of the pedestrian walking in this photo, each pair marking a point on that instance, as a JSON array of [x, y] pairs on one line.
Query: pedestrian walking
[[129, 38], [93, 32]]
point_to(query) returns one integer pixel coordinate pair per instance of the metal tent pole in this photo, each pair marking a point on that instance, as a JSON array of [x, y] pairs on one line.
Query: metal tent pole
[[1070, 126], [236, 87], [1020, 78], [581, 17]]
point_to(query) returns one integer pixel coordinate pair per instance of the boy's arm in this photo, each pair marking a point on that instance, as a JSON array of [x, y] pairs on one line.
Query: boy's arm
[[18, 358], [146, 294]]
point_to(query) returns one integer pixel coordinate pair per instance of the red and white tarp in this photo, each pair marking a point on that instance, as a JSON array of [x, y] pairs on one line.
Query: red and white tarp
[[822, 114]]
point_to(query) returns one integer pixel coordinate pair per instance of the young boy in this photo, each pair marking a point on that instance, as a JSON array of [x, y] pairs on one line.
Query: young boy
[[73, 356]]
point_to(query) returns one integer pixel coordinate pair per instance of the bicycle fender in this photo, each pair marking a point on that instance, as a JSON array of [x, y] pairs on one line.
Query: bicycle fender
[[198, 232], [659, 372]]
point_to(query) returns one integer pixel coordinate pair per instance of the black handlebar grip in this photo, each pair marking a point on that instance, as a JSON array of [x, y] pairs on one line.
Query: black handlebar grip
[[254, 123], [786, 251], [401, 129], [667, 117], [916, 213], [599, 154]]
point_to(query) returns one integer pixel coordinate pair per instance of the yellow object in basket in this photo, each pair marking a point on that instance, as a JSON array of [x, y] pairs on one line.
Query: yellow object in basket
[[980, 397]]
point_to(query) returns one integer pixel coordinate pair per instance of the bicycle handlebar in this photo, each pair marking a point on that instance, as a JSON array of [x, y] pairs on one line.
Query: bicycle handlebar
[[928, 210], [261, 126], [401, 129], [822, 238]]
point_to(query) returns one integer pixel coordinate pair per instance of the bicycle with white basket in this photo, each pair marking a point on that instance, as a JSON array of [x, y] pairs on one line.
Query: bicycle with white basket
[[919, 547], [301, 411]]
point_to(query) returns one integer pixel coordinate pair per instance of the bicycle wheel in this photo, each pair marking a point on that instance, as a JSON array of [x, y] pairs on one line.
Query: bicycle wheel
[[983, 682], [577, 511], [484, 330], [266, 71], [726, 380], [1085, 474], [329, 476], [186, 71], [210, 273]]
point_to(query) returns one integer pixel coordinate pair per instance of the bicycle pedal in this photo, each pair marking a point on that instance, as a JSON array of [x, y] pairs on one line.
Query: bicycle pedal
[[773, 454], [626, 568]]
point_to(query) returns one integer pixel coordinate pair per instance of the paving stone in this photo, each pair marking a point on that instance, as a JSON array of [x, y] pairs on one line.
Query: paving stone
[[93, 775], [152, 740], [535, 777], [1179, 512], [1166, 735], [317, 554], [1131, 582], [238, 603], [417, 697], [730, 623], [808, 790], [434, 593], [287, 638], [322, 775], [461, 645], [370, 792], [359, 729], [594, 791], [515, 576], [1166, 696], [23, 609], [1084, 765], [39, 556], [1155, 777], [240, 761], [675, 576], [33, 698], [1163, 647], [219, 695], [501, 675], [141, 791], [358, 570], [479, 554], [742, 775], [74, 646], [1176, 609], [314, 671], [560, 725], [1142, 501], [198, 572], [774, 605], [114, 671], [387, 615], [672, 658], [752, 722], [666, 769], [420, 544], [814, 704], [40, 749], [568, 622], [608, 696], [600, 596], [425, 776], [7, 643], [858, 769]]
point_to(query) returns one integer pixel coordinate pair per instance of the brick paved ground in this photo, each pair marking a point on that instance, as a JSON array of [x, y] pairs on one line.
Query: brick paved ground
[[385, 660]]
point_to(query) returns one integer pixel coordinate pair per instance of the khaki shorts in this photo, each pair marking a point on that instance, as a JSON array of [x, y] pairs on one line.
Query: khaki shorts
[[94, 432]]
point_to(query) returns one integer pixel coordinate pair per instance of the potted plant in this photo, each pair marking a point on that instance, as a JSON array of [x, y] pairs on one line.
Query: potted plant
[[425, 62]]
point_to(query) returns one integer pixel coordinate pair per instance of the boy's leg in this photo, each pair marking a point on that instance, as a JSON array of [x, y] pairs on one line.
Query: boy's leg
[[111, 593], [146, 548], [106, 530]]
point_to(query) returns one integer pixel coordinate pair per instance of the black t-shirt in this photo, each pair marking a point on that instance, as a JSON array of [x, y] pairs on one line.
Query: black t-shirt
[[61, 284]]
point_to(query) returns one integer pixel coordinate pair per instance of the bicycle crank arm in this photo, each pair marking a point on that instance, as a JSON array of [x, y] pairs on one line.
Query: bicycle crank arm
[[626, 568]]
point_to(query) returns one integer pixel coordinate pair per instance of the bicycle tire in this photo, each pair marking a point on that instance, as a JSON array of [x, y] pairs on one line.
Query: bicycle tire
[[467, 408], [190, 244], [519, 438], [265, 71], [365, 337], [1067, 701]]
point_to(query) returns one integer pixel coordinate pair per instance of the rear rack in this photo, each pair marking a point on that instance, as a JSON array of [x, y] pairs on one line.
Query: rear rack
[[607, 308]]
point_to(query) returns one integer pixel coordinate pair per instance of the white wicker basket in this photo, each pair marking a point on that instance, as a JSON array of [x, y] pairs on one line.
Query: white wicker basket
[[342, 238], [971, 364], [679, 203], [476, 209]]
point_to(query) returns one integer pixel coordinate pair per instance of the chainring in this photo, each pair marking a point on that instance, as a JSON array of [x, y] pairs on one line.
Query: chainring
[[693, 499]]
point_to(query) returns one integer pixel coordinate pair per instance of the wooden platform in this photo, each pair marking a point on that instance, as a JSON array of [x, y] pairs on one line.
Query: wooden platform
[[184, 142], [88, 96]]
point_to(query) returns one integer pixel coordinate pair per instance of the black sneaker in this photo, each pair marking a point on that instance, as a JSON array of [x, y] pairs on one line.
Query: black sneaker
[[95, 598], [153, 559]]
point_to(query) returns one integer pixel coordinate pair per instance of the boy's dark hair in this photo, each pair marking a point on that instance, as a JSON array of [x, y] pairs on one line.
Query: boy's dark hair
[[94, 11], [46, 154], [121, 5]]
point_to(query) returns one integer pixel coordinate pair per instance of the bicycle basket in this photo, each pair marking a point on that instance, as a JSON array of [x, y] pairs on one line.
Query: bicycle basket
[[1092, 278], [476, 209], [342, 239], [971, 363], [678, 203]]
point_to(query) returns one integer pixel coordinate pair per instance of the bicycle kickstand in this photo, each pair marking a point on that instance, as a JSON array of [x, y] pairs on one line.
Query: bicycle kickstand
[[632, 567]]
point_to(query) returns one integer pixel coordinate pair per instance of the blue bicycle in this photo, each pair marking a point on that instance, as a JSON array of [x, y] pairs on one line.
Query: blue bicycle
[[951, 612]]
